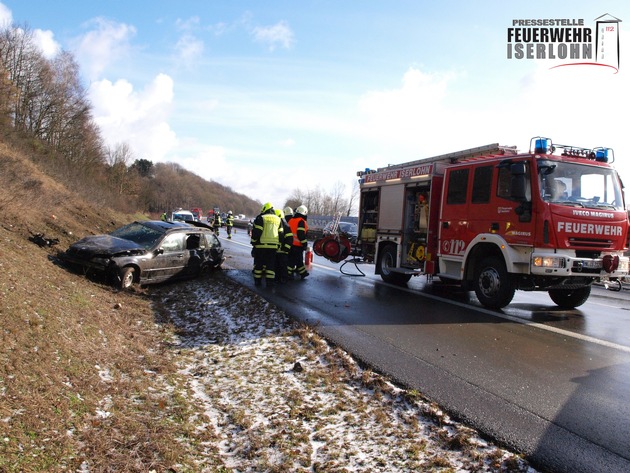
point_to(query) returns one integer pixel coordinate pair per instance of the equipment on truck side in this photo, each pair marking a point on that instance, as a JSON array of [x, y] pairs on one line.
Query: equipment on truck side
[[494, 220]]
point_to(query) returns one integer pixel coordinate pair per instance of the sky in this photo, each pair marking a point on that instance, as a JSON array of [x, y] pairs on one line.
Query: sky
[[269, 97]]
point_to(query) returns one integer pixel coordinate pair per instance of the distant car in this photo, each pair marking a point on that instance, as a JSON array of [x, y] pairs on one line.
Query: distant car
[[348, 229], [149, 252], [183, 216]]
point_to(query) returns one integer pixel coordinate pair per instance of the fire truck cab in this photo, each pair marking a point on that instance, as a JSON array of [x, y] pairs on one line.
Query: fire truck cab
[[494, 221]]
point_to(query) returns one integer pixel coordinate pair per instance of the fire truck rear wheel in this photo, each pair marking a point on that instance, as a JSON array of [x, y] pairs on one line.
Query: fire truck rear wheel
[[570, 298], [493, 286], [387, 261]]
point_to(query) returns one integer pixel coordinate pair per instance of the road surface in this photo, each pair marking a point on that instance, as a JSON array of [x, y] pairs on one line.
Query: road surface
[[550, 383]]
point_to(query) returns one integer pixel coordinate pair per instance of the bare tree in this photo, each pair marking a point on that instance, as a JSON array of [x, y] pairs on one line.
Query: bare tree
[[354, 199], [118, 160], [320, 202]]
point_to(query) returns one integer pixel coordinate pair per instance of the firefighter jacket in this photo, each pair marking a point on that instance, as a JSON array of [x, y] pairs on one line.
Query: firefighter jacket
[[287, 240], [217, 221], [229, 221], [266, 231], [299, 227]]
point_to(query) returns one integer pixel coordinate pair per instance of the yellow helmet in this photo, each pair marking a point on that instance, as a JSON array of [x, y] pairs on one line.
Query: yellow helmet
[[266, 207], [279, 213]]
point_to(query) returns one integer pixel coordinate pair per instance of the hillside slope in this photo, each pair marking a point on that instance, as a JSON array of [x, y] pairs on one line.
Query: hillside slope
[[59, 328]]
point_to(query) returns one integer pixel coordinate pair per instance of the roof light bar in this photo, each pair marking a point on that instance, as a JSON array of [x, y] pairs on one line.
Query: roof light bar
[[541, 145]]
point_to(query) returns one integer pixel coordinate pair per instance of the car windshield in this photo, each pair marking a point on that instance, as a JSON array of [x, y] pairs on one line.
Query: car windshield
[[138, 233], [347, 227], [579, 185]]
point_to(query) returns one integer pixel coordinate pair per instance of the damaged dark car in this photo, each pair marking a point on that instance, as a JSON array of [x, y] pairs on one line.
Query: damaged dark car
[[149, 252]]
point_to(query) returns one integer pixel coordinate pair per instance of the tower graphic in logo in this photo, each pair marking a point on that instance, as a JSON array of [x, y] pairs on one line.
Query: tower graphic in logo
[[607, 40]]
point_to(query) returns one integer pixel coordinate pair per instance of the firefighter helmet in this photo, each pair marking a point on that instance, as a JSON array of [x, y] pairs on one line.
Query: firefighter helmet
[[302, 210], [279, 213], [230, 212], [288, 211], [266, 207]]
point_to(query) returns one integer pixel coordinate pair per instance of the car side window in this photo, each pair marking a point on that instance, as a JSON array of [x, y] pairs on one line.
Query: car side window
[[192, 241], [173, 242]]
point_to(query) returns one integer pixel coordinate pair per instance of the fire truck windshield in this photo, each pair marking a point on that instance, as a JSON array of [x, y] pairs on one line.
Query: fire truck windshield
[[579, 185]]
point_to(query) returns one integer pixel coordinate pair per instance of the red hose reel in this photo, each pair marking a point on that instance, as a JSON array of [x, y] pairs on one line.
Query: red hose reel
[[334, 248]]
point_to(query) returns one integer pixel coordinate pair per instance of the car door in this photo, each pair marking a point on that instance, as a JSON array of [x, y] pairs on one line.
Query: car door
[[172, 258], [195, 244], [213, 251]]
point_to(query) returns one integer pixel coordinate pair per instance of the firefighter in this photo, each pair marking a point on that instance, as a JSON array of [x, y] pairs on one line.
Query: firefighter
[[229, 223], [284, 246], [299, 228], [163, 217], [288, 213], [216, 223], [266, 234]]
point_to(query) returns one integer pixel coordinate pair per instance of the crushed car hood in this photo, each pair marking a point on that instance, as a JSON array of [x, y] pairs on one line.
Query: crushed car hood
[[106, 245]]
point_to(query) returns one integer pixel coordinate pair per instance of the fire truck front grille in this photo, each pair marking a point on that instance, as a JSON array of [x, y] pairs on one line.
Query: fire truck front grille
[[590, 243]]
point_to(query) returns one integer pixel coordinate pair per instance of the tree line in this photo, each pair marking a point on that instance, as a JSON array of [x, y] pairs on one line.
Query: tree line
[[45, 110]]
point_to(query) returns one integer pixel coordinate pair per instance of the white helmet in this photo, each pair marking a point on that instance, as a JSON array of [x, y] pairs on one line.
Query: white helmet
[[302, 210]]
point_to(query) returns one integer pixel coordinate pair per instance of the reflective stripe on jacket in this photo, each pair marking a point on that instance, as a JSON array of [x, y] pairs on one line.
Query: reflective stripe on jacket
[[299, 227]]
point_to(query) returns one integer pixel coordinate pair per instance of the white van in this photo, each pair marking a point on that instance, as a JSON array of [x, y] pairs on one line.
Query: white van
[[182, 216]]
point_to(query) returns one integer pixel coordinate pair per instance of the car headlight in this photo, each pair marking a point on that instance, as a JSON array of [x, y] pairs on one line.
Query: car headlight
[[549, 262]]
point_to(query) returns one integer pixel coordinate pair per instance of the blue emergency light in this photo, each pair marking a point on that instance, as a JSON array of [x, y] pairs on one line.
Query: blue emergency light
[[602, 154], [542, 145]]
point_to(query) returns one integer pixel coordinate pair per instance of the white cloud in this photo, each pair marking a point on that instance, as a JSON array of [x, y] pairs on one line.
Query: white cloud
[[288, 143], [189, 24], [403, 115], [189, 49], [6, 16], [104, 44], [139, 118], [279, 34], [46, 42]]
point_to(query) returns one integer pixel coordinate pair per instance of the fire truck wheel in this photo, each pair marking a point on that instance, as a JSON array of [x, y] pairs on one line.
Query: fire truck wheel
[[570, 298], [493, 286], [387, 262]]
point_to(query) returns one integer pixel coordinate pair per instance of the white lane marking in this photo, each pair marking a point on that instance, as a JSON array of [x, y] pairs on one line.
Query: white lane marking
[[511, 318]]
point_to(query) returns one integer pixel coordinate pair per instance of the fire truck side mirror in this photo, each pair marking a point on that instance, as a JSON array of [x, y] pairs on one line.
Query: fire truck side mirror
[[519, 181]]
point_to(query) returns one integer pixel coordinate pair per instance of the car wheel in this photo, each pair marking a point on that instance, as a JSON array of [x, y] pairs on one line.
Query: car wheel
[[493, 285], [127, 277]]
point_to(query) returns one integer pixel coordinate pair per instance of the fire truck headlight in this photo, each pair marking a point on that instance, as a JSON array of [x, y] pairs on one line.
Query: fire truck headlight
[[549, 262]]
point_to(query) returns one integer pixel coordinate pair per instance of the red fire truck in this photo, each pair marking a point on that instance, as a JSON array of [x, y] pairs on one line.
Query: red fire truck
[[493, 221], [198, 213]]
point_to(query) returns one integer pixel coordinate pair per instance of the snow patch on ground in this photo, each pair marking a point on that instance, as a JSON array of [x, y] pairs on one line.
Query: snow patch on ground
[[277, 397]]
